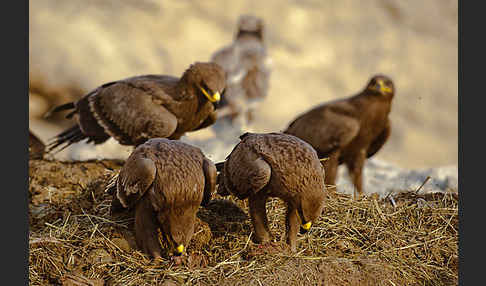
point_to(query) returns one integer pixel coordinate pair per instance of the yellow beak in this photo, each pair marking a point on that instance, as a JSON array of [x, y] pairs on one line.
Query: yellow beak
[[213, 98], [180, 249], [385, 90], [307, 226]]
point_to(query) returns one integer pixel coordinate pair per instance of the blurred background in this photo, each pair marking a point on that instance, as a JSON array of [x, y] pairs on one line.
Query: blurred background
[[320, 50]]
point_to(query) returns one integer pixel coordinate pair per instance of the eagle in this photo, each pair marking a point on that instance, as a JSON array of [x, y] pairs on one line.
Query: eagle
[[164, 181], [264, 165], [138, 108], [349, 130], [247, 68]]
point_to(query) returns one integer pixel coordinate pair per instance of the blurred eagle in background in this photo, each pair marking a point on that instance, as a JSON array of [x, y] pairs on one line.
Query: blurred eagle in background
[[247, 68]]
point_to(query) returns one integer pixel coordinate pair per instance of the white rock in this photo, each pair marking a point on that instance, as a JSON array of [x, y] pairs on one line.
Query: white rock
[[382, 178]]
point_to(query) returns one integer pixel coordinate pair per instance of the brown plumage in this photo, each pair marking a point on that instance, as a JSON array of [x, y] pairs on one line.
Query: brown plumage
[[36, 146], [349, 130], [245, 62], [275, 165], [136, 109], [165, 181]]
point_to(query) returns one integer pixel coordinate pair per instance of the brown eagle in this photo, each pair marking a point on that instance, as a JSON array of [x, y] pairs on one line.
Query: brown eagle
[[275, 165], [138, 108], [165, 181], [247, 69], [349, 130]]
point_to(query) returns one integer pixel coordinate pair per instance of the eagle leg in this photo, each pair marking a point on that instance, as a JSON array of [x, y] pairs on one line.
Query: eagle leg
[[258, 214], [292, 226]]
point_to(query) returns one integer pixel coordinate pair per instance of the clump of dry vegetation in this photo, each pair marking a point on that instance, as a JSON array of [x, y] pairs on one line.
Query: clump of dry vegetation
[[74, 240]]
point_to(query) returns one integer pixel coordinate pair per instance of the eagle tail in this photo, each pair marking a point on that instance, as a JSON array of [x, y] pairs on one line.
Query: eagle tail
[[66, 138], [66, 106]]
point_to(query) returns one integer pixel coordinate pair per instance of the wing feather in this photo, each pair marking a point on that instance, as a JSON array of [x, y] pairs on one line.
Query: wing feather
[[326, 129], [210, 176], [245, 172], [134, 179], [129, 111], [380, 140]]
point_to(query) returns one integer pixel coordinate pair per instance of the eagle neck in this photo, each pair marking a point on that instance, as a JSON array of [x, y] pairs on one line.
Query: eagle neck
[[185, 88]]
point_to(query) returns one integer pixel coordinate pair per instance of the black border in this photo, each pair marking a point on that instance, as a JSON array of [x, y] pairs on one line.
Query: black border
[[15, 168], [15, 118], [471, 184], [460, 75]]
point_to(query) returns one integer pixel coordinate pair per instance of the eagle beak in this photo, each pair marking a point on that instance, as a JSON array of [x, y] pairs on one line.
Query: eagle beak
[[385, 89], [179, 249], [213, 98], [305, 227], [216, 97]]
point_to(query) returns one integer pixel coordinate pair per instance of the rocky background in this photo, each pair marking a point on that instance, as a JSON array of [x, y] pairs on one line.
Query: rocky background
[[321, 50]]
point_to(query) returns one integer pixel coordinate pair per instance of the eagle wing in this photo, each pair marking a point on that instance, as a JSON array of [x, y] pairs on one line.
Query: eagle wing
[[133, 110], [325, 128], [226, 58], [135, 178], [379, 140], [245, 172], [255, 62], [210, 176]]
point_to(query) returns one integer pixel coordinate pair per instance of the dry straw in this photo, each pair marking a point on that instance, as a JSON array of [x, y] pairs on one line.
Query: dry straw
[[74, 240]]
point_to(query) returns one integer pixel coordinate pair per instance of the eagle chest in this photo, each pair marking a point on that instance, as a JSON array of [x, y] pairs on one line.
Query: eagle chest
[[193, 116], [374, 123]]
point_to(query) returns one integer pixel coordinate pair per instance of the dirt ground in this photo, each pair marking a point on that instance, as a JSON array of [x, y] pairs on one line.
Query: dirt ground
[[73, 239]]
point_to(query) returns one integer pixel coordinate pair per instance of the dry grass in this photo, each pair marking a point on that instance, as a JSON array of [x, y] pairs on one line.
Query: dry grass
[[74, 240]]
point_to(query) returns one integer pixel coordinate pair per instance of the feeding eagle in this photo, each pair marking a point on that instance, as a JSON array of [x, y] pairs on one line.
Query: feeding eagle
[[165, 181], [275, 165]]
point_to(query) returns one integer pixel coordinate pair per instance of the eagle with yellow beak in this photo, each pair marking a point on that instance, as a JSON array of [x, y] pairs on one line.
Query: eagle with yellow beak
[[348, 130], [138, 108], [164, 181], [265, 165]]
